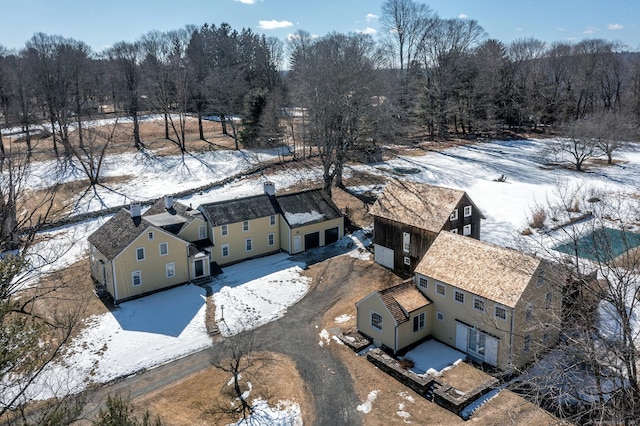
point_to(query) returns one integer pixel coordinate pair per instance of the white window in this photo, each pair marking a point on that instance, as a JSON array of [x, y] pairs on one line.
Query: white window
[[164, 249], [170, 269], [423, 282], [224, 230], [245, 226], [136, 278], [501, 312], [458, 296], [418, 322], [248, 244], [478, 304], [540, 280], [454, 231], [439, 316], [272, 219], [528, 314], [527, 343], [407, 261], [225, 250], [454, 215], [140, 253], [376, 320], [467, 211], [271, 239], [441, 289], [150, 235], [548, 300], [466, 230], [202, 232], [406, 242]]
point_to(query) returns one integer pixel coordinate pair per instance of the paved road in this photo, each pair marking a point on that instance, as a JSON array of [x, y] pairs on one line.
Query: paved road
[[294, 335]]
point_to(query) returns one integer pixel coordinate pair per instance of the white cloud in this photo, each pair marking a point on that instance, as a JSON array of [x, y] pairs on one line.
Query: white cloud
[[273, 24], [367, 30], [247, 1], [615, 26], [590, 30], [463, 16], [371, 17]]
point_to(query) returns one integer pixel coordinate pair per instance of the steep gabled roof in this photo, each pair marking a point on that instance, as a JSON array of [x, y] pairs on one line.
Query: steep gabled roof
[[417, 204], [238, 210], [403, 299], [486, 270], [117, 233], [307, 207]]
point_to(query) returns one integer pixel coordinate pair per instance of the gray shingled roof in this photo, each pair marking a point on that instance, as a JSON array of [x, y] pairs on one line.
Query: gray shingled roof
[[238, 210], [486, 270], [117, 233], [417, 204], [403, 299], [307, 207]]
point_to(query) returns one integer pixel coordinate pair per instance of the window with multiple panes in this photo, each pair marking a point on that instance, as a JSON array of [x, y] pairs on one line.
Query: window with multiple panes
[[248, 244], [466, 230], [454, 215], [439, 316], [441, 289], [224, 230], [458, 296], [150, 235], [164, 249], [423, 282], [245, 225], [140, 253], [467, 211], [527, 343], [170, 269], [376, 320], [136, 278], [271, 239], [406, 242], [202, 232], [418, 322], [501, 312], [478, 304], [225, 250], [272, 219]]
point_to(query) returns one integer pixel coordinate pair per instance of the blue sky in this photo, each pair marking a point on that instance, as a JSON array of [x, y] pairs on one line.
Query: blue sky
[[100, 24]]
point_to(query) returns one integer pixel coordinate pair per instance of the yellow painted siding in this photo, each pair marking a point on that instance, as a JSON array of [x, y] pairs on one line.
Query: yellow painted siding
[[153, 272], [236, 240], [191, 232], [285, 235], [406, 335], [373, 303], [316, 227]]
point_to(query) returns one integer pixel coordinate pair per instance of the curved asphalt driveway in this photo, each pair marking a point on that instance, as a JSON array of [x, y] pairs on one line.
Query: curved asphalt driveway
[[294, 335]]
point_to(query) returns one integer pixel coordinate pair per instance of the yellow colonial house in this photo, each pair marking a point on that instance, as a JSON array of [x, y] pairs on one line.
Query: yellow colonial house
[[498, 305], [134, 254]]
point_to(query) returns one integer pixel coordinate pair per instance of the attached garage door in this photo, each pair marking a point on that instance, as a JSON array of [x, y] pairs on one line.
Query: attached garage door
[[311, 240], [383, 256], [331, 235]]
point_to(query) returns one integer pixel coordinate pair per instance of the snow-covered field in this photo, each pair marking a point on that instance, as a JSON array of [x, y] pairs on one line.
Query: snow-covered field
[[147, 332]]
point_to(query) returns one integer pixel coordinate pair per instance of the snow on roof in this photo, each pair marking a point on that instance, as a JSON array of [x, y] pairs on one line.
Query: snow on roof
[[302, 218]]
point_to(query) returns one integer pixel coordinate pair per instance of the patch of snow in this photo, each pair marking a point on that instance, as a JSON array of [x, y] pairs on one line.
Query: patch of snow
[[337, 340], [365, 407], [406, 396], [324, 337], [432, 357], [471, 408], [302, 218], [285, 413], [342, 318]]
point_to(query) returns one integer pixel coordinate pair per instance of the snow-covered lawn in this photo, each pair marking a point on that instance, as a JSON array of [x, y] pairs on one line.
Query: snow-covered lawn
[[156, 329], [431, 357]]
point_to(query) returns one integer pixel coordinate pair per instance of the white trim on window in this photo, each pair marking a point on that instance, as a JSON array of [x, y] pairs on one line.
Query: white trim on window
[[202, 232], [441, 289], [224, 230], [423, 282], [170, 269], [467, 211], [272, 220], [150, 235], [140, 253], [478, 304], [454, 215], [418, 322], [454, 231], [271, 239], [248, 244], [500, 312], [136, 278], [376, 320], [224, 250], [164, 248], [458, 296], [466, 230], [245, 226], [406, 242], [439, 316]]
